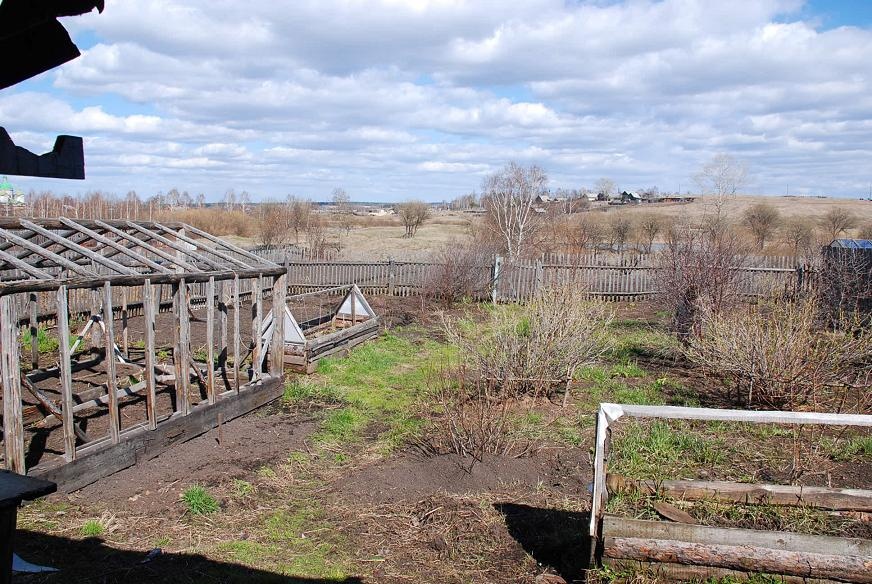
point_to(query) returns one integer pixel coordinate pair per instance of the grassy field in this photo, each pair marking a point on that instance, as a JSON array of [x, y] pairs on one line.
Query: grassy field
[[347, 483]]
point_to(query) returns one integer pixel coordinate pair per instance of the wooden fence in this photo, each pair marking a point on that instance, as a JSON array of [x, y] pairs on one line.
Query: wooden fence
[[613, 277]]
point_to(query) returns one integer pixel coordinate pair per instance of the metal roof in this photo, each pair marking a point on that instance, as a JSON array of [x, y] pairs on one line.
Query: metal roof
[[43, 254], [852, 243]]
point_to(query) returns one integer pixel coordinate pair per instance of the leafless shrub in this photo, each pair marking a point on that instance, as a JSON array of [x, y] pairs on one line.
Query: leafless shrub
[[799, 234], [620, 229], [274, 221], [650, 225], [462, 270], [762, 221], [837, 221], [535, 349], [697, 267], [845, 285], [413, 214], [777, 356], [475, 414]]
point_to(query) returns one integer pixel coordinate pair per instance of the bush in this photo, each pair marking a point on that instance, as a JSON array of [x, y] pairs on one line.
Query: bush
[[536, 349], [198, 501], [461, 271], [777, 356]]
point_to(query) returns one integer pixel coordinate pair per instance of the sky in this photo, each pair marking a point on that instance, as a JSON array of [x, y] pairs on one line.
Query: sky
[[398, 99]]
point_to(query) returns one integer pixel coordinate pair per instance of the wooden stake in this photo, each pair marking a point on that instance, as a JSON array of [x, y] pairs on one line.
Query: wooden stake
[[237, 337], [13, 419], [182, 348], [66, 374], [277, 344], [151, 395], [111, 380], [210, 340], [125, 347], [34, 332]]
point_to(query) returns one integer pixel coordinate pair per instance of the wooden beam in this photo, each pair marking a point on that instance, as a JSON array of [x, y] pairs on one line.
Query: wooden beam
[[210, 340], [257, 318], [148, 303], [277, 343], [114, 245], [174, 245], [34, 331], [821, 497], [146, 246], [85, 252], [237, 336], [111, 377], [180, 235], [45, 254], [229, 245], [66, 374], [13, 419], [24, 266], [182, 347]]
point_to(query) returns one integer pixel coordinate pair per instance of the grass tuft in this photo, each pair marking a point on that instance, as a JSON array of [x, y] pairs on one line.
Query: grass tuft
[[198, 501]]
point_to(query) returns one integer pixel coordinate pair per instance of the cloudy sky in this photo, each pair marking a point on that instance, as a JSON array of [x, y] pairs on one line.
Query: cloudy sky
[[394, 99]]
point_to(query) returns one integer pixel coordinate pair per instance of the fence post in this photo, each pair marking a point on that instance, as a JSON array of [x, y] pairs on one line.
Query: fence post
[[540, 273], [391, 276], [495, 277]]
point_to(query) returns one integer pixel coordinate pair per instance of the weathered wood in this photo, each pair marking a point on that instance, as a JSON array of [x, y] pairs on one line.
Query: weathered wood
[[223, 301], [742, 557], [109, 361], [125, 346], [256, 319], [34, 331], [95, 257], [139, 258], [210, 341], [139, 443], [668, 572], [66, 375], [823, 497], [237, 334], [149, 377], [780, 540], [277, 342], [181, 347], [672, 512], [13, 419]]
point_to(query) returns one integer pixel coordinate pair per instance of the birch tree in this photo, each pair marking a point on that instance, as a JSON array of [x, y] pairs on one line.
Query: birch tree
[[508, 197]]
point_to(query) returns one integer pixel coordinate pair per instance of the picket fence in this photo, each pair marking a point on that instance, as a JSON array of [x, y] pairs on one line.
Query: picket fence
[[613, 277]]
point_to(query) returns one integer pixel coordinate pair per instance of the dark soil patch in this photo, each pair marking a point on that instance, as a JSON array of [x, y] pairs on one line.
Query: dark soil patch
[[413, 476], [247, 443]]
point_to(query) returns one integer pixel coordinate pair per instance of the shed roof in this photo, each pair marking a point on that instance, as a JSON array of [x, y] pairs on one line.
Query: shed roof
[[43, 254], [852, 243]]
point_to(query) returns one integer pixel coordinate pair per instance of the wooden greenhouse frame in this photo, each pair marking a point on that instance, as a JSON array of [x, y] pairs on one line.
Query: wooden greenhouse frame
[[109, 271]]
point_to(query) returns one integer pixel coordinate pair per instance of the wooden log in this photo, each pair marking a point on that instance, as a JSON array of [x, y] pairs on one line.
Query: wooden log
[[125, 345], [223, 300], [180, 351], [210, 341], [256, 319], [667, 572], [742, 557], [149, 377], [66, 375], [111, 378], [13, 419], [825, 498], [34, 331]]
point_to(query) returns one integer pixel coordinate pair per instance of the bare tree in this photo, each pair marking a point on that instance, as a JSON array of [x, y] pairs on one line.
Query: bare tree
[[274, 219], [300, 213], [508, 198], [798, 233], [761, 219], [722, 177], [837, 221], [606, 188], [620, 227], [344, 212], [649, 227], [413, 214]]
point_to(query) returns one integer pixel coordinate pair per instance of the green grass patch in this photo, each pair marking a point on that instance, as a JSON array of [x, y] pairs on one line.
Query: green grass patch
[[849, 449], [627, 369], [198, 501], [242, 489], [342, 425], [661, 451], [92, 528], [301, 390], [46, 342]]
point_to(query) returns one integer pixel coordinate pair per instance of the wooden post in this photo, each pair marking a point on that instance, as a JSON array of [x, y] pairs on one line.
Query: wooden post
[[13, 419], [540, 273], [495, 278], [257, 318], [237, 337], [34, 331], [181, 349], [392, 275], [210, 340], [222, 325], [125, 346], [66, 374], [277, 344], [150, 390], [111, 379]]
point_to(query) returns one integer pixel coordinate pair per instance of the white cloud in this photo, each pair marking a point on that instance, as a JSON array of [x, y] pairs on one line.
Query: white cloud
[[394, 98]]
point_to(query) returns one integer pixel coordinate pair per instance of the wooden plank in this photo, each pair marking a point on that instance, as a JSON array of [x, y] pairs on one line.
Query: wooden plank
[[222, 326], [237, 336], [758, 417], [256, 319], [277, 343], [149, 378], [139, 258], [140, 443], [34, 331], [13, 419], [109, 361], [84, 251], [66, 375], [822, 497], [181, 347], [670, 572], [210, 341], [125, 345]]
